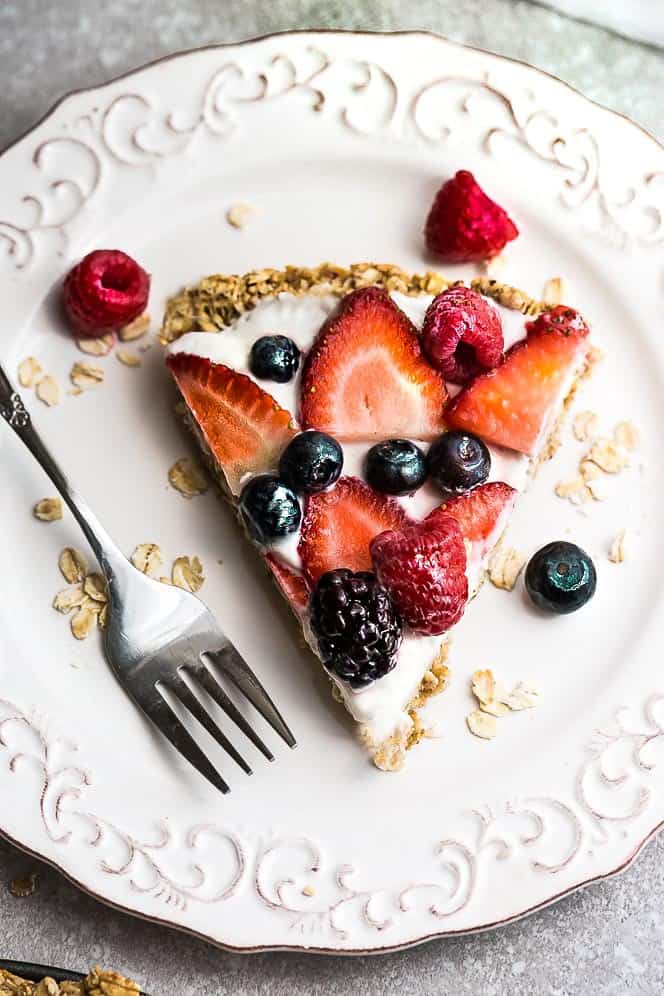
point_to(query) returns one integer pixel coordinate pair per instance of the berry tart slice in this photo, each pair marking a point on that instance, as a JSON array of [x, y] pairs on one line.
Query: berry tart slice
[[373, 430]]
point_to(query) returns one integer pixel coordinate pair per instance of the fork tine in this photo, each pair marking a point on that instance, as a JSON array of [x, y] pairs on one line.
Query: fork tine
[[165, 719], [207, 680], [179, 688], [237, 669]]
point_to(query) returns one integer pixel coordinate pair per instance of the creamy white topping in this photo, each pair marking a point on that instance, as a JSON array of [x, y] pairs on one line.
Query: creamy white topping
[[382, 705]]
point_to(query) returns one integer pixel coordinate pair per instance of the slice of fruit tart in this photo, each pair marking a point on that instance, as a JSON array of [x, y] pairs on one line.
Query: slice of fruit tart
[[373, 429]]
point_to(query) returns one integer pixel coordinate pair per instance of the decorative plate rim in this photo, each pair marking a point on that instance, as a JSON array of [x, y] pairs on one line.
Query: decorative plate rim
[[152, 918]]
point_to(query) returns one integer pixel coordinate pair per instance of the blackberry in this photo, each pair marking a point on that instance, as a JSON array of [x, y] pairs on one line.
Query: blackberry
[[356, 626]]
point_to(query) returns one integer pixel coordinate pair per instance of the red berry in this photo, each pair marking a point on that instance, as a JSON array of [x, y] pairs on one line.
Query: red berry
[[559, 319], [243, 426], [365, 376], [462, 334], [464, 224], [339, 525], [423, 568], [511, 405], [480, 511], [105, 291]]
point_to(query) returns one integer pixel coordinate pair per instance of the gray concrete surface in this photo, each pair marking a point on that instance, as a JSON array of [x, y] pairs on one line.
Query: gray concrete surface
[[607, 940]]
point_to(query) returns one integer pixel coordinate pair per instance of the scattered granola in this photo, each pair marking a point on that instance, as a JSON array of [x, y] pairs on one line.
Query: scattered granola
[[48, 390], [585, 426], [69, 598], [135, 329], [576, 490], [48, 510], [494, 702], [188, 477], [238, 215], [482, 725], [101, 346], [187, 573], [23, 885], [83, 621], [95, 587], [29, 372], [129, 359], [72, 564], [554, 291], [609, 456], [626, 435], [619, 549], [505, 566], [147, 557], [308, 890], [84, 374]]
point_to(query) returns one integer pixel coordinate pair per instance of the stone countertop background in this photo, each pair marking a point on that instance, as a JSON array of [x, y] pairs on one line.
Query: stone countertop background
[[607, 939]]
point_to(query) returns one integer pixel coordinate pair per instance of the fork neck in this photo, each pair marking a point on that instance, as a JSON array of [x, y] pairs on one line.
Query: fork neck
[[17, 417]]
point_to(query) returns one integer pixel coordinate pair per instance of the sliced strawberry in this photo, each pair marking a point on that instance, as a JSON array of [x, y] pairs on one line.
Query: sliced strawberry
[[365, 376], [509, 406], [293, 586], [244, 426], [339, 525], [479, 511]]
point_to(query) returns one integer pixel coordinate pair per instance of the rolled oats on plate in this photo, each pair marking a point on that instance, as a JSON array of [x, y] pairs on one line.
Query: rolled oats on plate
[[72, 565], [48, 510]]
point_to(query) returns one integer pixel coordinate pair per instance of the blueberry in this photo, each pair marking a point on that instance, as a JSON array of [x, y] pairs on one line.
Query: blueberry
[[311, 462], [561, 577], [269, 508], [396, 467], [459, 461], [274, 357]]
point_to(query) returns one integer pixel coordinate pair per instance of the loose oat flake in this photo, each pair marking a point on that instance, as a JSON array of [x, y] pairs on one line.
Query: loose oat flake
[[83, 621], [626, 435], [483, 685], [72, 565], [29, 372], [619, 549], [521, 697], [147, 557], [554, 291], [129, 359], [239, 214], [135, 329], [505, 566], [576, 490], [48, 510], [611, 457], [188, 477], [187, 573], [101, 346], [84, 374], [95, 587], [482, 725], [69, 598], [585, 426], [48, 390]]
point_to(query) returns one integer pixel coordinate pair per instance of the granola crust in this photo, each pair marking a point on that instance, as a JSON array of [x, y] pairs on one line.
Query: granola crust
[[217, 300]]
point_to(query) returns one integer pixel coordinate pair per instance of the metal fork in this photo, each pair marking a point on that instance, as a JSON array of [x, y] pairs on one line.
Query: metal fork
[[160, 641]]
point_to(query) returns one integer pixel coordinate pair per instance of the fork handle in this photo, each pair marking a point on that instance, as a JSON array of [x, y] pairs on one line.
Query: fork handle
[[15, 414]]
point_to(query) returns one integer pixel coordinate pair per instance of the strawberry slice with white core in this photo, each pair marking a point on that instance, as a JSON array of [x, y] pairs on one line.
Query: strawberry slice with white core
[[243, 425], [510, 406], [339, 524], [365, 377]]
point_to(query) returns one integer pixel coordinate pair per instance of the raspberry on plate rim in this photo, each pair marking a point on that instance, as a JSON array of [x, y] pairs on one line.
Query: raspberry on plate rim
[[105, 291]]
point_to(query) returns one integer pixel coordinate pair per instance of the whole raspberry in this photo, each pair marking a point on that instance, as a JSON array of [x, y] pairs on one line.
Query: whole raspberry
[[462, 334], [560, 319], [464, 224], [423, 568], [105, 291]]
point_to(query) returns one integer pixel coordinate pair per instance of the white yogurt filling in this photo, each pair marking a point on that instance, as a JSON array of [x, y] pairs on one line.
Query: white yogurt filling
[[380, 706]]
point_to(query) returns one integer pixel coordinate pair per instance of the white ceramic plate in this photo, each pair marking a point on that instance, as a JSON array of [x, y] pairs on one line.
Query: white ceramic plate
[[340, 142]]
